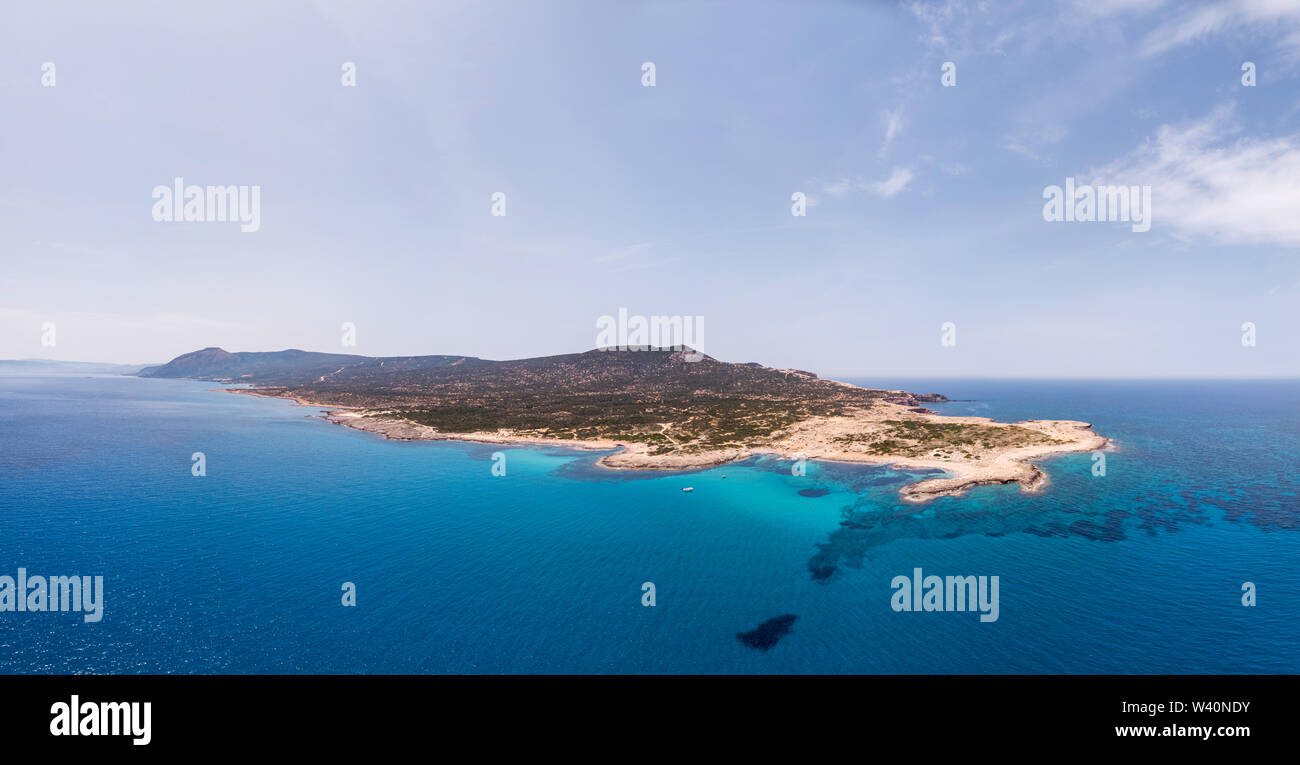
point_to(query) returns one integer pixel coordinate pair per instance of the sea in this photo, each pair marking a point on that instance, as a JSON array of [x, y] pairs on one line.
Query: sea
[[1179, 554]]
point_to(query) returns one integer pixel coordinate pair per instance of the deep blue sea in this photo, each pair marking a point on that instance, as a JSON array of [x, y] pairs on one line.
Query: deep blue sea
[[541, 570]]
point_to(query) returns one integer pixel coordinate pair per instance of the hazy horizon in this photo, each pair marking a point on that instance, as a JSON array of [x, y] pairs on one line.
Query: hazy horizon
[[924, 202], [828, 375]]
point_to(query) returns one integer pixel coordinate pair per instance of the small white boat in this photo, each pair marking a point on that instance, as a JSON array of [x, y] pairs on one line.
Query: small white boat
[[689, 488]]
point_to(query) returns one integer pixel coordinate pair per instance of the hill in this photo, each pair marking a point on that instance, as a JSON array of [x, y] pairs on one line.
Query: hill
[[285, 367], [653, 408]]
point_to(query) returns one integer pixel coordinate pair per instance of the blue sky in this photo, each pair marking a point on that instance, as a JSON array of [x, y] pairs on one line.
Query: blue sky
[[925, 201]]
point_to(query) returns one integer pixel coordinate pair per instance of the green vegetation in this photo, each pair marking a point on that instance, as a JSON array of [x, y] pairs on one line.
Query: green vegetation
[[651, 397], [694, 424], [654, 397], [917, 438]]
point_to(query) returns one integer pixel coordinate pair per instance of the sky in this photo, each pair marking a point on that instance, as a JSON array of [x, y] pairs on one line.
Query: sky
[[924, 202]]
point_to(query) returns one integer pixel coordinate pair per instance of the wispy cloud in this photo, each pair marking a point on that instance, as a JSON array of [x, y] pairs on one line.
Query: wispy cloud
[[1198, 23], [891, 186], [1031, 142], [1104, 8], [967, 26], [1205, 184], [893, 127], [947, 23], [895, 183], [841, 187]]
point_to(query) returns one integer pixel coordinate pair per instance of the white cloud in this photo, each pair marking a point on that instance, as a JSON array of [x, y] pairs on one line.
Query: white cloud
[[1031, 141], [1200, 22], [1018, 146], [1104, 8], [1204, 184], [963, 27], [896, 182], [840, 187], [893, 127], [941, 18]]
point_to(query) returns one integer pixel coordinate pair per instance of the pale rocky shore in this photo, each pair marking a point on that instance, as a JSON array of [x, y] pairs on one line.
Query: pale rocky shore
[[817, 438]]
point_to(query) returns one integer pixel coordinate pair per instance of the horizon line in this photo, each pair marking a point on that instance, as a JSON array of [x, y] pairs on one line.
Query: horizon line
[[837, 376]]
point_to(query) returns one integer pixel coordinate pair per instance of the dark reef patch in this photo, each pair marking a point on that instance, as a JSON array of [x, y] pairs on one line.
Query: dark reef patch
[[873, 521], [769, 633], [814, 492], [821, 573], [1108, 532]]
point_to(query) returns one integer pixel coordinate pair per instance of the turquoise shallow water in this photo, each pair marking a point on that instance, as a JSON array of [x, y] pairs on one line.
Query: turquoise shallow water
[[541, 570]]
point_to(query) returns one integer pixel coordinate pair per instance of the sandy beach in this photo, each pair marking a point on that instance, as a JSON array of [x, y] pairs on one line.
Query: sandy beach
[[818, 438]]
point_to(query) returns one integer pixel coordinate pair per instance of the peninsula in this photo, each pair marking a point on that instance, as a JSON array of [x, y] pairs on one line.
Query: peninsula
[[654, 409]]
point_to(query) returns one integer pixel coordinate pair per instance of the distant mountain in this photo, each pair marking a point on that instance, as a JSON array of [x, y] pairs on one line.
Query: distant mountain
[[49, 367], [395, 380], [577, 394], [287, 367]]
